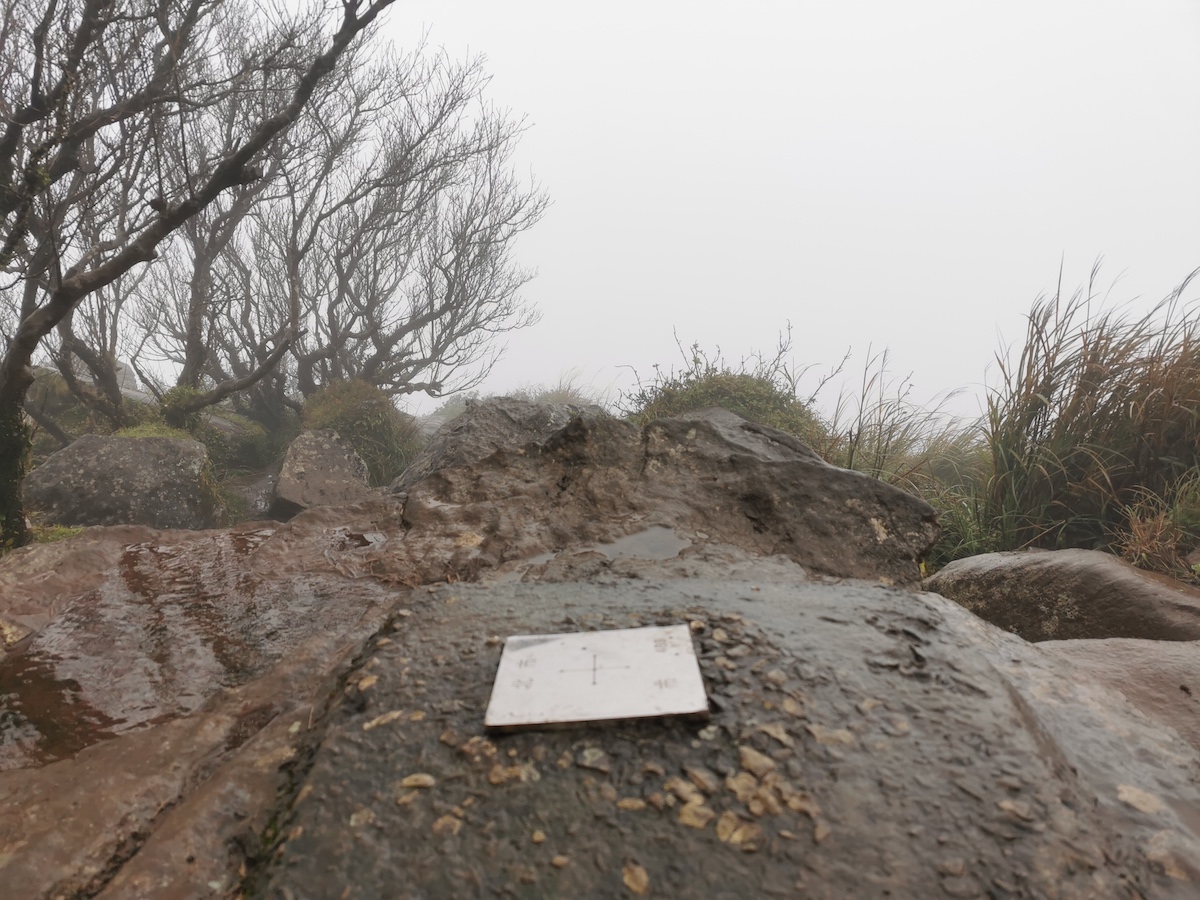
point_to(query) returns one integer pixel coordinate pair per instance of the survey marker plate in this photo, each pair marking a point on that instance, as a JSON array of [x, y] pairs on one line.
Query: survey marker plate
[[595, 676]]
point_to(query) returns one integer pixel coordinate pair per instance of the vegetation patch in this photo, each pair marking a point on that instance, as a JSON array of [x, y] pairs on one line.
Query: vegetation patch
[[385, 438]]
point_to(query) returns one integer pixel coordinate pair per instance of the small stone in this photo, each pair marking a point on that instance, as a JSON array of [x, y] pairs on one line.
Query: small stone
[[757, 763], [631, 804], [720, 635], [1142, 801], [696, 626], [791, 707], [367, 681], [777, 731], [383, 719], [726, 663], [417, 716], [361, 816], [418, 780], [769, 802], [869, 704], [1018, 809], [738, 652], [749, 836], [538, 837], [449, 737], [560, 861], [406, 798], [636, 878], [594, 758], [653, 768], [830, 736], [695, 814], [727, 824], [821, 830], [564, 761], [447, 825], [499, 774], [777, 677], [684, 790], [743, 785], [657, 800], [703, 778], [952, 867]]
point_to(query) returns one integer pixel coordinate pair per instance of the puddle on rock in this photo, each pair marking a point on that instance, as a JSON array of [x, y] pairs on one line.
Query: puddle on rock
[[43, 718], [656, 542]]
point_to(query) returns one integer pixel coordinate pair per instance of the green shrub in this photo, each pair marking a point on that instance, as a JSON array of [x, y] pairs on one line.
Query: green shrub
[[758, 390], [364, 416], [153, 429], [242, 444]]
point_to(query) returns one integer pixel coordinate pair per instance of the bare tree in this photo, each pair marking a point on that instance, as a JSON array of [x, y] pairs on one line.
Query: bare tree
[[96, 98], [383, 246]]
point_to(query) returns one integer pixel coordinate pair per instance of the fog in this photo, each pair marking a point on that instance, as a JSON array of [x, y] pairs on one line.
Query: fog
[[908, 176]]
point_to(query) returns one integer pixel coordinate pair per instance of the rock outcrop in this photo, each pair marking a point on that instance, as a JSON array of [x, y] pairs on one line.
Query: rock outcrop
[[155, 481], [295, 710], [1071, 594], [320, 469], [484, 427]]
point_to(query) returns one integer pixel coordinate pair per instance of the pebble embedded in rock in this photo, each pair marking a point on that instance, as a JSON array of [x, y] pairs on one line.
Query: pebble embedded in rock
[[636, 878], [758, 764], [594, 758], [695, 814]]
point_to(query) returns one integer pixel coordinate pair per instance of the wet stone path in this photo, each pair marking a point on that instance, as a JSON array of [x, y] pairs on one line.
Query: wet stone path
[[838, 761]]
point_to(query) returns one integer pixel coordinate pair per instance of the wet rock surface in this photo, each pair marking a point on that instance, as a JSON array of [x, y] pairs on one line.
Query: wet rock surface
[[860, 745], [1071, 594], [320, 469], [295, 710], [1161, 679], [98, 480], [484, 427]]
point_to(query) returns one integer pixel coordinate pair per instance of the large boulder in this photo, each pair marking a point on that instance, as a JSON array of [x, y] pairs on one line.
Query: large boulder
[[484, 427], [320, 469], [295, 710], [161, 482], [1071, 594]]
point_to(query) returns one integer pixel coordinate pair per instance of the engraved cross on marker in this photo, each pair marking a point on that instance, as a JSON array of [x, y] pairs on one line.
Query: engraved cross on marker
[[595, 667]]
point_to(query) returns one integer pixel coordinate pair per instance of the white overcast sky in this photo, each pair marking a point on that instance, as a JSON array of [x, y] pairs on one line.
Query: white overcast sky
[[881, 173]]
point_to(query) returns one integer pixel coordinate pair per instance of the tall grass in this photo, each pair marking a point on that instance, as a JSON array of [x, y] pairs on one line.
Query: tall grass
[[1097, 413]]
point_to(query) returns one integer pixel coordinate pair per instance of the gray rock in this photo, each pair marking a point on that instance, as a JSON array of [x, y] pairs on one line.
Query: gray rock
[[484, 427], [1160, 678], [1071, 594], [157, 481], [320, 469]]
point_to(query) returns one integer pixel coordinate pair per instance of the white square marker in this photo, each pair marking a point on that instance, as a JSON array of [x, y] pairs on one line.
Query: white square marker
[[595, 676]]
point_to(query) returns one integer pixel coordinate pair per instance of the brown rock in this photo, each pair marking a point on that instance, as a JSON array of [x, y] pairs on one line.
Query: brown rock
[[1070, 594]]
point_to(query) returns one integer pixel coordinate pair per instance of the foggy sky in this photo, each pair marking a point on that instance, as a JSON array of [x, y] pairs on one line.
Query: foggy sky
[[880, 174]]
